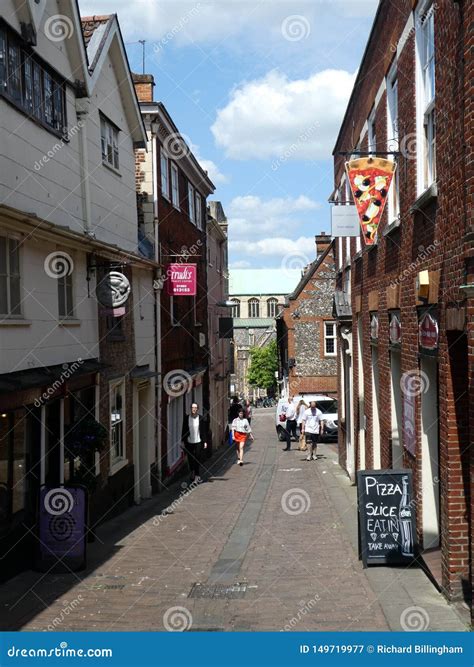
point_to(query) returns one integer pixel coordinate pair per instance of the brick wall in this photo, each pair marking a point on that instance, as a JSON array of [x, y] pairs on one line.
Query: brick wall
[[431, 238]]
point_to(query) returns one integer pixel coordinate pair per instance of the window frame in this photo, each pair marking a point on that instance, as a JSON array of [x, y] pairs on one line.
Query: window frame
[[26, 90], [425, 99], [121, 458], [109, 140], [254, 302], [175, 186], [66, 284], [327, 338], [235, 308], [16, 311], [393, 142], [273, 302], [198, 209], [191, 203], [165, 174], [372, 132]]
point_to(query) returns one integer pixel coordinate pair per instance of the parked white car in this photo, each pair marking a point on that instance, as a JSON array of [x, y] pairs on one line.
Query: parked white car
[[327, 405]]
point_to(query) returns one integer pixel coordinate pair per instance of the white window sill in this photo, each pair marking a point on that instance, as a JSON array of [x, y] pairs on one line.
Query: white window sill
[[112, 168], [14, 322], [177, 207], [395, 224], [117, 465], [425, 198], [73, 322]]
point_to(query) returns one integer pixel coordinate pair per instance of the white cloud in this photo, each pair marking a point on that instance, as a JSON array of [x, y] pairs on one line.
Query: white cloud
[[275, 117], [253, 217], [213, 171], [241, 264], [303, 247]]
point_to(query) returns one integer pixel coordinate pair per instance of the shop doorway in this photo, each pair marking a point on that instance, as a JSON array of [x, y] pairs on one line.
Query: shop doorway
[[375, 409], [144, 430], [430, 474]]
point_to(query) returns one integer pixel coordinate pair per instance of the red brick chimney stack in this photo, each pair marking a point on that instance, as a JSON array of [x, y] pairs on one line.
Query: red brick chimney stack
[[144, 84], [323, 241]]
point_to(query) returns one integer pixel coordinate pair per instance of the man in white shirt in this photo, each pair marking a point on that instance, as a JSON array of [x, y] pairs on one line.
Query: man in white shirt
[[312, 425], [290, 428], [194, 438]]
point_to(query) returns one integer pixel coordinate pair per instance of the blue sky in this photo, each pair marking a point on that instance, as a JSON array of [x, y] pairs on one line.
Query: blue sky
[[259, 89]]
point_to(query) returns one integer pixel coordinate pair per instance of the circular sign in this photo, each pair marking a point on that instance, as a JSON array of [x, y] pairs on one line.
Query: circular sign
[[113, 290], [395, 330]]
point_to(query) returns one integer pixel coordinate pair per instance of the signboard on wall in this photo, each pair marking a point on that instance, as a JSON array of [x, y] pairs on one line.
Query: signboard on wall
[[428, 332], [62, 528], [387, 531], [181, 279], [344, 221]]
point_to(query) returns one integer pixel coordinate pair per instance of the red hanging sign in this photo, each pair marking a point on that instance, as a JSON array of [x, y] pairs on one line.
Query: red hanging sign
[[181, 279], [370, 179], [428, 332]]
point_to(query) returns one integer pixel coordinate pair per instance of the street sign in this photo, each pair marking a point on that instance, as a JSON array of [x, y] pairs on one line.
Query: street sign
[[387, 530], [344, 221]]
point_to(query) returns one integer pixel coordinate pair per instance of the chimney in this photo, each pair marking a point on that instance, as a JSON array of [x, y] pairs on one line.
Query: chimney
[[144, 84], [323, 241]]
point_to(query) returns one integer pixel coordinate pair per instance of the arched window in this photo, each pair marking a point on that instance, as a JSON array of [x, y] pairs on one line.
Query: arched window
[[272, 305], [254, 308], [235, 310]]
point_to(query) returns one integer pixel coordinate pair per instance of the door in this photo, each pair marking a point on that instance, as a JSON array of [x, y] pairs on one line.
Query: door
[[396, 408], [430, 453], [375, 409], [145, 432]]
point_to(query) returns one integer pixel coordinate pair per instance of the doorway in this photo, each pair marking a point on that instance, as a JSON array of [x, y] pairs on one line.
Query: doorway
[[376, 457], [396, 408], [430, 474]]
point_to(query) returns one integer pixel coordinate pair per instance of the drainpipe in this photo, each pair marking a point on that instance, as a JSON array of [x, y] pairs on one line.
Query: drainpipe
[[82, 111]]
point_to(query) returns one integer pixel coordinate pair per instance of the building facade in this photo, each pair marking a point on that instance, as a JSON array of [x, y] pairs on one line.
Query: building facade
[[404, 305], [172, 191], [306, 329], [254, 314], [220, 325], [70, 122]]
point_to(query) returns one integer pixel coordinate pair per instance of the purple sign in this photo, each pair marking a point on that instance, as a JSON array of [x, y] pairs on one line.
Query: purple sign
[[62, 525]]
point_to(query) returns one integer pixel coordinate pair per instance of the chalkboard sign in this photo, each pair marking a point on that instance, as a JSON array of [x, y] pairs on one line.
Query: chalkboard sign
[[387, 531], [62, 529]]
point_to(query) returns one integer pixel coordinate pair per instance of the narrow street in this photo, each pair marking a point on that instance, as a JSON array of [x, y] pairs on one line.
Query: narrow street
[[271, 545]]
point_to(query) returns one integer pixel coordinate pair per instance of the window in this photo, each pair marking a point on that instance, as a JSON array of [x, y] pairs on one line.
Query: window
[[235, 310], [191, 204], [372, 137], [12, 464], [115, 330], [329, 339], [254, 308], [65, 296], [10, 303], [251, 338], [33, 88], [425, 99], [117, 420], [109, 143], [173, 314], [392, 143], [272, 305], [174, 186], [198, 210], [175, 425], [165, 183]]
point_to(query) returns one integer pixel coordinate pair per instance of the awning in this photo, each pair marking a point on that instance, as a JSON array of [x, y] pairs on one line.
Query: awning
[[46, 375]]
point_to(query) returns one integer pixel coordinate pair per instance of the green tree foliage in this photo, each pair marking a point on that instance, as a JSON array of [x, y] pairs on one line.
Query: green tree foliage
[[263, 364]]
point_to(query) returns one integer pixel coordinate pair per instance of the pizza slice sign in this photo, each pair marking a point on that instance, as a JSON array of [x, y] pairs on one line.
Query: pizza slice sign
[[370, 179]]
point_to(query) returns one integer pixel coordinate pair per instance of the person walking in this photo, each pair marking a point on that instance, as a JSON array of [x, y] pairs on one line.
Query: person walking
[[248, 411], [234, 409], [240, 432], [312, 426], [290, 428], [300, 410], [194, 439]]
